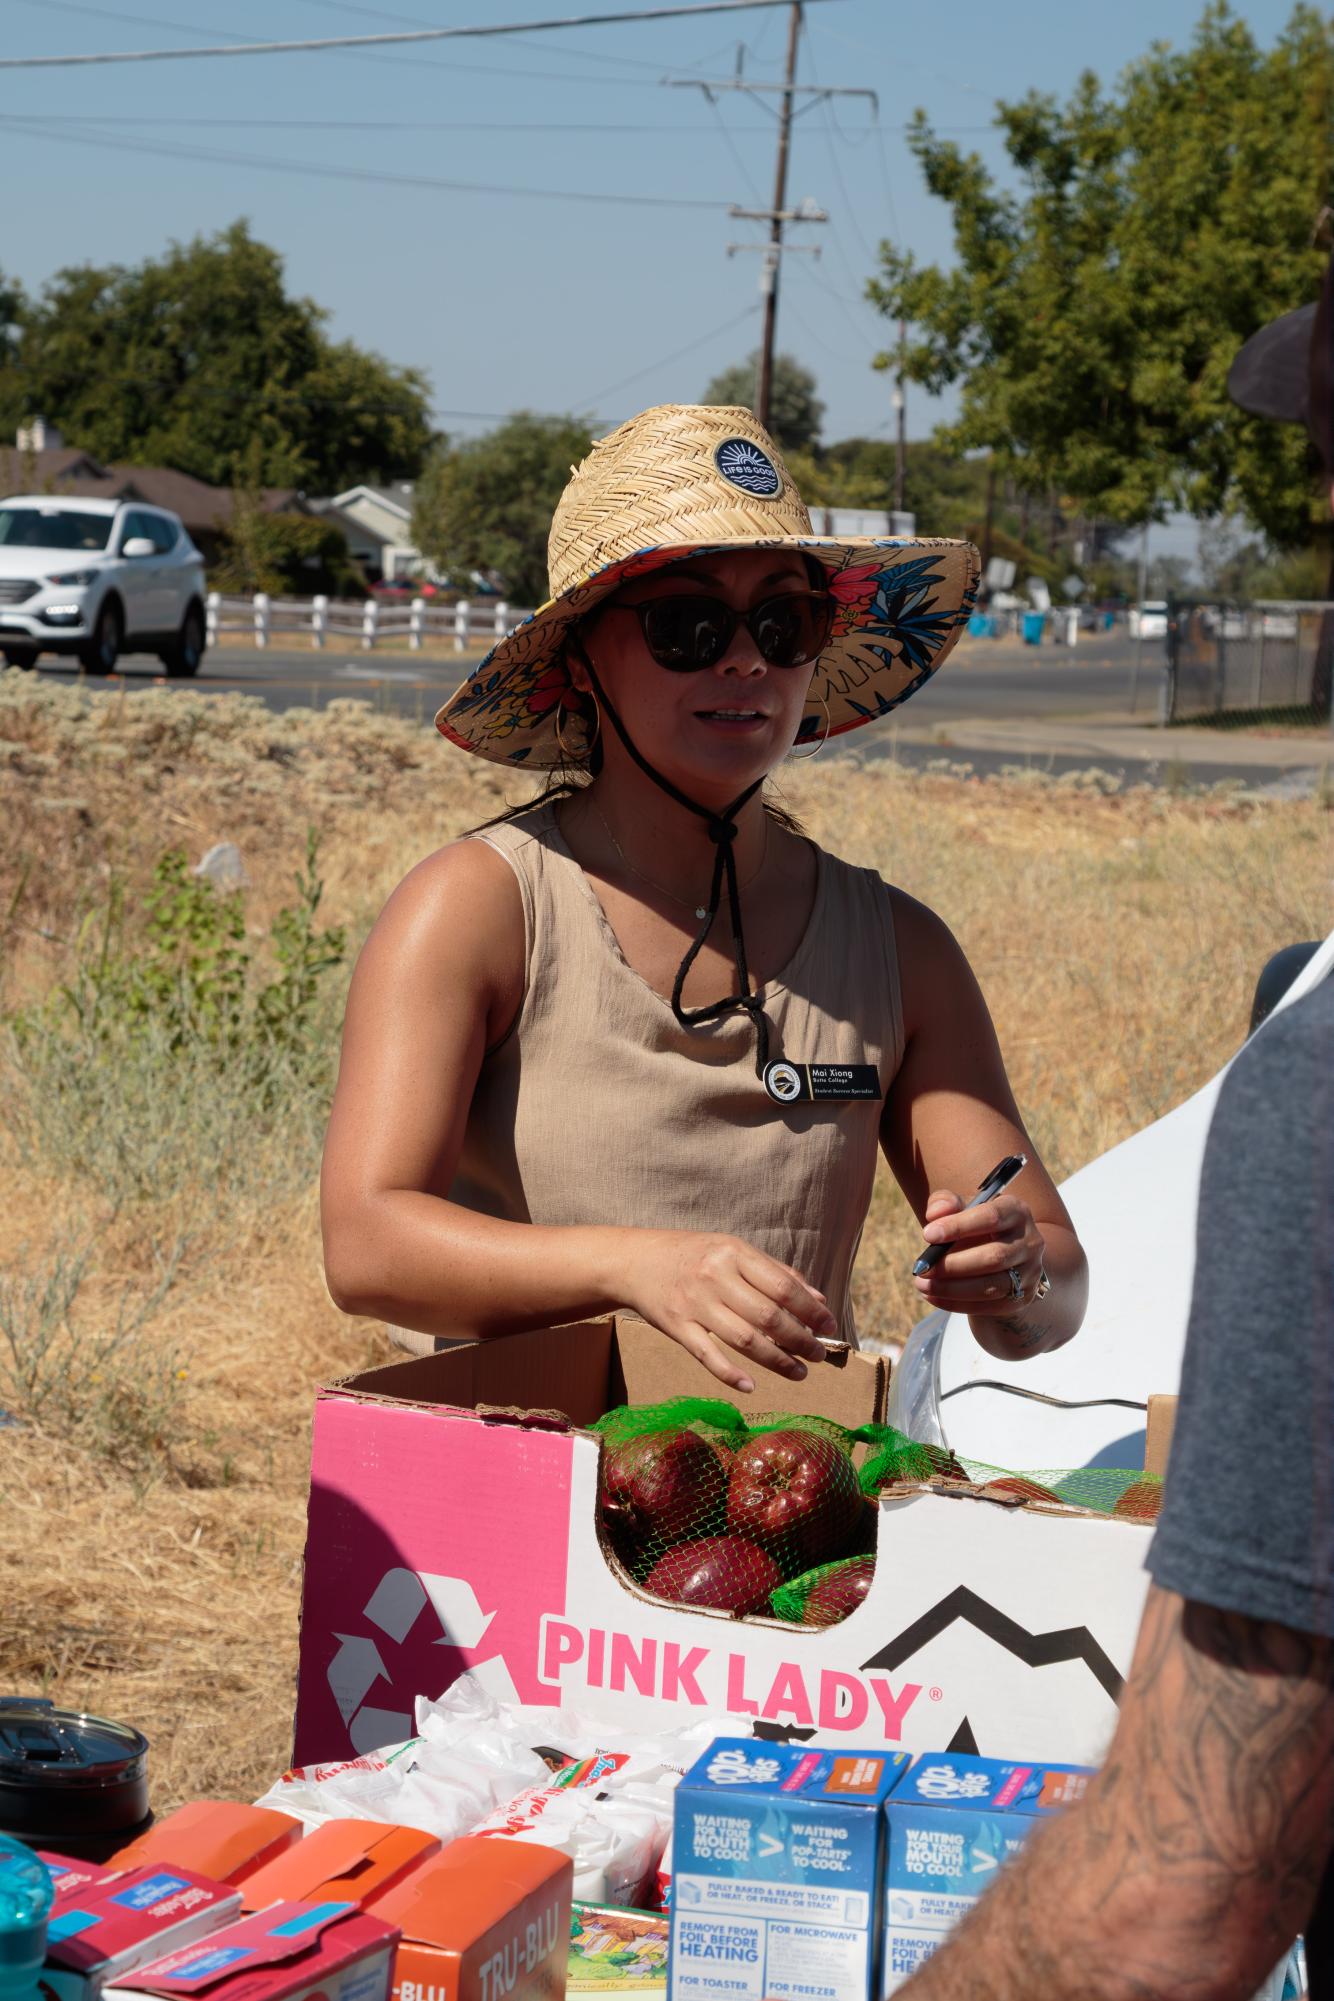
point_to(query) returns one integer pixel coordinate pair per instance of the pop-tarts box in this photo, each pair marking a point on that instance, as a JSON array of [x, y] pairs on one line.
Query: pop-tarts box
[[778, 1872], [287, 1952], [953, 1820], [104, 1923]]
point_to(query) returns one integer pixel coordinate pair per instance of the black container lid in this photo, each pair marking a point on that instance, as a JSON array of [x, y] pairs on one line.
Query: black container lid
[[61, 1770]]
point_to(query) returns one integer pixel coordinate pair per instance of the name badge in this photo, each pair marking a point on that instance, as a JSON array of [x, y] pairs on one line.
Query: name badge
[[814, 1083]]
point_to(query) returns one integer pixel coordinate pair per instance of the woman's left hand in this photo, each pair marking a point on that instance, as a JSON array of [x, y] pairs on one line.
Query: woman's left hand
[[986, 1245]]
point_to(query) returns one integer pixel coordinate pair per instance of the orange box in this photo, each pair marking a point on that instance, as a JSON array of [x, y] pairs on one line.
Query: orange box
[[219, 1838], [343, 1861], [486, 1920]]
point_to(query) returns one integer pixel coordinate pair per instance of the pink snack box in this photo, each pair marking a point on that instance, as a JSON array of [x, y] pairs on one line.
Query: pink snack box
[[104, 1923], [287, 1952]]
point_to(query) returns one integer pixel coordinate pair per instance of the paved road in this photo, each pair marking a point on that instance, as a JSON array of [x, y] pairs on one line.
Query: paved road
[[980, 681], [1057, 699]]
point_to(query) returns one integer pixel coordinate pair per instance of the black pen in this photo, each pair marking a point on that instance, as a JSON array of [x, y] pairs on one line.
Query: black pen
[[1000, 1177]]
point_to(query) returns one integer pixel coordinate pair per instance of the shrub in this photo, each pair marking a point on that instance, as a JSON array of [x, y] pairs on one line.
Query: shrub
[[167, 1062]]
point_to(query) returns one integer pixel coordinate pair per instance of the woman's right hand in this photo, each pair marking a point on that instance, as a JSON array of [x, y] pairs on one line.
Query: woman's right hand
[[714, 1293]]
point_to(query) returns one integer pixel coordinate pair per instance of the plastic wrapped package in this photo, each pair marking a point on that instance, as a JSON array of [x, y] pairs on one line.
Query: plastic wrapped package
[[615, 1842], [472, 1756]]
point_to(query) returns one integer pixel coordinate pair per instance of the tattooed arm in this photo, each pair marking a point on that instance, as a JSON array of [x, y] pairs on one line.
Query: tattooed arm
[[1196, 1855]]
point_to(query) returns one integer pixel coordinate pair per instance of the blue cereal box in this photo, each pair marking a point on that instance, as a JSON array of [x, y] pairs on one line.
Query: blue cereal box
[[778, 1873], [952, 1821]]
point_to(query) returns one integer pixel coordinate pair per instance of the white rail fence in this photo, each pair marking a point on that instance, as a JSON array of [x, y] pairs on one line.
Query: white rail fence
[[469, 626]]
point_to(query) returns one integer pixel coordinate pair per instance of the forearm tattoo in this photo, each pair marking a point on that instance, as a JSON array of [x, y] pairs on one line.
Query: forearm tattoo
[[1196, 1856]]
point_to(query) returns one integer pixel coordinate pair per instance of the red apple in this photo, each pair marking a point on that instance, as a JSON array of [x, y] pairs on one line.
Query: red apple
[[660, 1488], [1141, 1501], [839, 1593], [862, 1541], [718, 1570], [794, 1493]]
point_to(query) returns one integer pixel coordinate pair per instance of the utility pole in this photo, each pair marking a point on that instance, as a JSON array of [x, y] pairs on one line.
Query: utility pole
[[901, 414], [764, 386], [773, 247], [990, 516]]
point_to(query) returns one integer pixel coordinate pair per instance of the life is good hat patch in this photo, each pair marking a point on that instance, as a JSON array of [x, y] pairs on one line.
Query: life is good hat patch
[[683, 481]]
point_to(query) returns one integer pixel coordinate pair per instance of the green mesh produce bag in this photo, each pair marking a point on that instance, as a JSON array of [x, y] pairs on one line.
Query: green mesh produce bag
[[894, 1459], [767, 1513], [706, 1507], [825, 1595], [1107, 1490]]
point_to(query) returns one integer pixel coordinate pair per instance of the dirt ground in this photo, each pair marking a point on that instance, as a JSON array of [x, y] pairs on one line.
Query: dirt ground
[[150, 1563]]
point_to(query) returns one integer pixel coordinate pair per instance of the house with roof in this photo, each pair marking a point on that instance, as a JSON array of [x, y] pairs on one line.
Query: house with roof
[[377, 521], [41, 462]]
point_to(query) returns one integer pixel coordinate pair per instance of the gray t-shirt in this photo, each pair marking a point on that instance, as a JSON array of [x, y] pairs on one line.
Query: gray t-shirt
[[1248, 1511]]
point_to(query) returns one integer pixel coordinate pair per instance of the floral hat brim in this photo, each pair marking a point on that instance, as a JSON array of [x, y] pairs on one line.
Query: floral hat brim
[[899, 606]]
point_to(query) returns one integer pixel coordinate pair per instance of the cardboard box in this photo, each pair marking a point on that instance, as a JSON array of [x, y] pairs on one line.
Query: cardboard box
[[779, 1872], [221, 1838], [289, 1952], [105, 1923], [345, 1861], [953, 1821], [616, 1953], [453, 1525], [1158, 1434], [484, 1920]]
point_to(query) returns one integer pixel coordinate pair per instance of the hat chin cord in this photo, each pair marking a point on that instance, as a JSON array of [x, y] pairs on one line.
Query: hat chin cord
[[722, 831]]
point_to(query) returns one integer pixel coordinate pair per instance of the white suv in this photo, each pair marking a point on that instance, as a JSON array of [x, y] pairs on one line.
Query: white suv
[[98, 578]]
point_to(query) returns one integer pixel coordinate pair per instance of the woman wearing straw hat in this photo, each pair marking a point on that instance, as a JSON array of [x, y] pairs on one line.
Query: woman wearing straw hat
[[635, 1047]]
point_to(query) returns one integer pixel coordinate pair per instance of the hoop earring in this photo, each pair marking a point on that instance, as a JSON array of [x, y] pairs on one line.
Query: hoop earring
[[565, 751], [803, 754]]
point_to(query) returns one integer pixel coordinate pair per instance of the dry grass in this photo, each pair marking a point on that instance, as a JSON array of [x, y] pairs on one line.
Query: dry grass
[[155, 1576]]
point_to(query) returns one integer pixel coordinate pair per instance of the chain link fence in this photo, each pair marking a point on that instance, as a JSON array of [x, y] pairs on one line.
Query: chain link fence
[[1263, 661]]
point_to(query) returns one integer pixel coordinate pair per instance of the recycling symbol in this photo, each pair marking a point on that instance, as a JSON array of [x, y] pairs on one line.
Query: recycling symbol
[[394, 1607]]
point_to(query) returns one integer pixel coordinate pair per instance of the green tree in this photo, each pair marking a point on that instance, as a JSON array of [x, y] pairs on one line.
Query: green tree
[[260, 550], [190, 359], [1095, 309], [487, 504], [795, 411]]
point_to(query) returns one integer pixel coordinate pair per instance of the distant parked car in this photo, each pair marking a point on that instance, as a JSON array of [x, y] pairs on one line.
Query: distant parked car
[[1279, 624], [98, 578], [1149, 620]]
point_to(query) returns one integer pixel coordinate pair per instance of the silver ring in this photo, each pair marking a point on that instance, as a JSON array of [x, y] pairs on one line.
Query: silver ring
[[1016, 1279]]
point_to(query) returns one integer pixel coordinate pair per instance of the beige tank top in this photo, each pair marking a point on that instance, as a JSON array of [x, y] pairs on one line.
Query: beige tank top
[[598, 1107]]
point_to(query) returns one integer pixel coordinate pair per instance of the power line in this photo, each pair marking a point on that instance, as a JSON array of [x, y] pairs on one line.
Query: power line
[[397, 39], [725, 132], [415, 21], [375, 177], [828, 292], [884, 169], [679, 354], [399, 63], [378, 124], [835, 353], [392, 62], [580, 125]]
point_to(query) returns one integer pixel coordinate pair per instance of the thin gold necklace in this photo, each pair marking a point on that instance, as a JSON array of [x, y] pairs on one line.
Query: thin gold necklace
[[700, 910]]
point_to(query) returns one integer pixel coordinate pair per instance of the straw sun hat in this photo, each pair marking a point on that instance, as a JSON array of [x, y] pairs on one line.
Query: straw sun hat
[[684, 481]]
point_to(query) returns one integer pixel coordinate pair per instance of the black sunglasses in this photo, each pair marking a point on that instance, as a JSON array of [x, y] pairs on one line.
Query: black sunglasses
[[687, 633]]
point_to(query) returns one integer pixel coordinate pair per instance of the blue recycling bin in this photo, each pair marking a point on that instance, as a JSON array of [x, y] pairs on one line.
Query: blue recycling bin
[[979, 626], [1033, 624]]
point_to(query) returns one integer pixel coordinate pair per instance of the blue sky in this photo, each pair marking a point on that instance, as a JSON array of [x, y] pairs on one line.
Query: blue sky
[[508, 300]]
